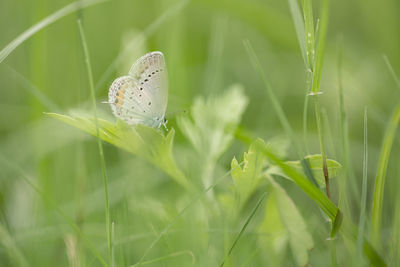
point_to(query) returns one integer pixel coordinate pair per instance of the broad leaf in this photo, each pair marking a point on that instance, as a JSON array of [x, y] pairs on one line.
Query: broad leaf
[[286, 225], [140, 140]]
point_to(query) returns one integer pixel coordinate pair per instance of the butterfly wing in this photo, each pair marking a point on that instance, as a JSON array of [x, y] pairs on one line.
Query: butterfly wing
[[142, 96], [150, 74]]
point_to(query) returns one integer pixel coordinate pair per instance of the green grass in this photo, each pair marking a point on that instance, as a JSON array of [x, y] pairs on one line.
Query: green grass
[[248, 176]]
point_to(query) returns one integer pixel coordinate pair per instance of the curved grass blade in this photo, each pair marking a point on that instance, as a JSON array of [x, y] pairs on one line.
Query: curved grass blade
[[381, 176], [347, 229], [382, 168], [68, 9], [33, 90]]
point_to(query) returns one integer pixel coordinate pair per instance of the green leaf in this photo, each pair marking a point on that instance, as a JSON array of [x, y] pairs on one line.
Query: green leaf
[[315, 162], [214, 121], [247, 178], [319, 59], [140, 140], [287, 226], [299, 26], [380, 179]]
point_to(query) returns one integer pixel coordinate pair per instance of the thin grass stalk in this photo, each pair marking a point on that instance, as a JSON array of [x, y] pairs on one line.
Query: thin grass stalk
[[361, 224], [100, 146], [319, 59], [317, 107]]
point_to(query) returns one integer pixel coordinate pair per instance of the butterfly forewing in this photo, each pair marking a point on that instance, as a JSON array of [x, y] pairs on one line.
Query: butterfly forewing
[[151, 77]]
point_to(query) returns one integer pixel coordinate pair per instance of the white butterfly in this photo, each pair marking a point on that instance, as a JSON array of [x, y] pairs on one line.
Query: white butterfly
[[142, 96]]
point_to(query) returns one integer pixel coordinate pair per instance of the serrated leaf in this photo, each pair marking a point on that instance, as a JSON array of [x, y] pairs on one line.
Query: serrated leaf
[[140, 140], [315, 162], [246, 178], [214, 121]]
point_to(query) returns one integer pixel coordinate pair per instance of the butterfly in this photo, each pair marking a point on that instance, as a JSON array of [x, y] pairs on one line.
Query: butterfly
[[141, 97]]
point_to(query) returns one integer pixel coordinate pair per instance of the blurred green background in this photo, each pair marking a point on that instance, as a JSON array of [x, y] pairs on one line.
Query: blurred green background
[[202, 41]]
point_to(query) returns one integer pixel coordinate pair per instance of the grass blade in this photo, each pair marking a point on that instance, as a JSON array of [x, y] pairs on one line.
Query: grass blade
[[328, 207], [299, 26], [309, 34], [68, 9], [381, 176], [244, 227], [319, 59], [100, 146], [361, 224], [391, 70], [382, 167], [34, 91]]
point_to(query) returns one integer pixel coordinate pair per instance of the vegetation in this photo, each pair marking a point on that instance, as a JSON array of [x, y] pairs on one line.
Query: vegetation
[[281, 145]]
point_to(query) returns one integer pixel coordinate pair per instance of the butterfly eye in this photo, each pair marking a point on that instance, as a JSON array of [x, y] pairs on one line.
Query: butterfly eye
[[149, 103]]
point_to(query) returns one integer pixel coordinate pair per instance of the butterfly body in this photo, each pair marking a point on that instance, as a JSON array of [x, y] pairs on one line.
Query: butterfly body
[[141, 97]]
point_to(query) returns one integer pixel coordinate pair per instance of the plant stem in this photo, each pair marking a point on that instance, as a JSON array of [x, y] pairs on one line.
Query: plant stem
[[321, 142], [101, 153]]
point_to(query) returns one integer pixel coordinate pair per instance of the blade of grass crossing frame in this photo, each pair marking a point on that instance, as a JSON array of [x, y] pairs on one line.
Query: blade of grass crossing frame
[[68, 9], [382, 168], [100, 146], [328, 207]]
